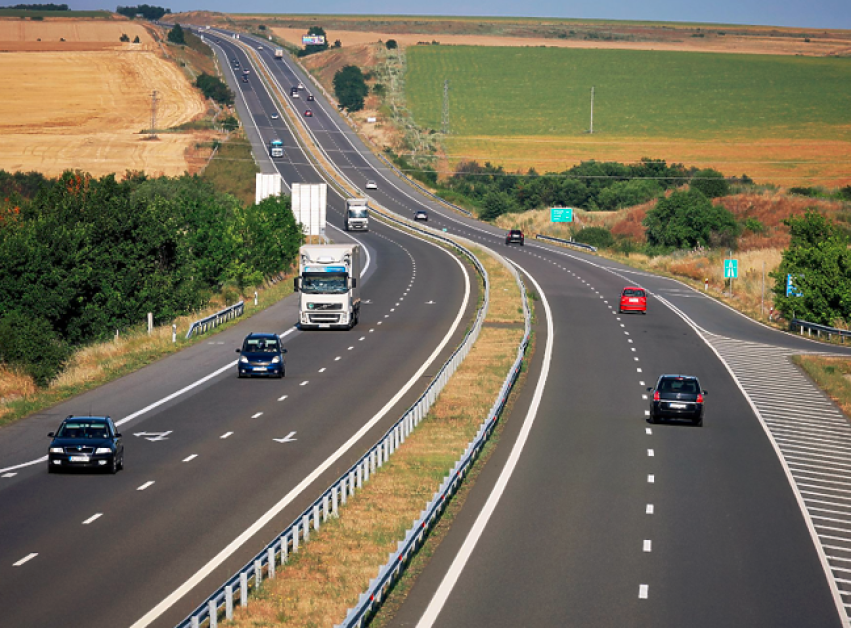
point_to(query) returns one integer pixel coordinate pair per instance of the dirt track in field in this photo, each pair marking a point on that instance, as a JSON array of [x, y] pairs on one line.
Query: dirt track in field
[[84, 109]]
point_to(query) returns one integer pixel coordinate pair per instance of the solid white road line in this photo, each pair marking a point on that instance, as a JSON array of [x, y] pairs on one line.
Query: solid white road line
[[145, 485], [285, 501], [25, 559], [190, 458], [451, 577], [94, 517]]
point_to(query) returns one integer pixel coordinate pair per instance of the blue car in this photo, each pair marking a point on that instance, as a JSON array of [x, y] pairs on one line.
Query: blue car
[[86, 442], [261, 355]]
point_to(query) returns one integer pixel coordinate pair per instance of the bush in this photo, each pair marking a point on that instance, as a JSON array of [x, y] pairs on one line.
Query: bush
[[230, 124], [175, 35], [689, 219], [145, 10], [136, 40], [804, 191], [628, 193], [350, 88], [212, 87], [495, 204], [754, 225], [710, 182], [29, 342], [595, 236], [124, 37], [819, 259], [391, 44]]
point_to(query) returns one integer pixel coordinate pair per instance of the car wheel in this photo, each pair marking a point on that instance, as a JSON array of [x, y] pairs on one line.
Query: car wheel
[[653, 418], [113, 468], [698, 422], [50, 468], [121, 462]]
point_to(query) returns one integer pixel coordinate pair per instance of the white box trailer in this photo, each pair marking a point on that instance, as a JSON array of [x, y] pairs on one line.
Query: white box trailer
[[279, 53], [328, 284], [309, 203], [357, 214]]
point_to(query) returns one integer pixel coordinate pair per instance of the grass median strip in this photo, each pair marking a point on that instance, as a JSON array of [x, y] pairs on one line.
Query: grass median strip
[[323, 580], [832, 375]]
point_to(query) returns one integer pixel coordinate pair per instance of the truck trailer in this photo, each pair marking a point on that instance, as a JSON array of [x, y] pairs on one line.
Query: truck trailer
[[279, 53], [357, 214], [328, 286]]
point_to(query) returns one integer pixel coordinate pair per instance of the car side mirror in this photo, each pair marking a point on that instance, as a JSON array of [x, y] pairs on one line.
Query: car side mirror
[[239, 350], [51, 434], [705, 392], [283, 350], [649, 388], [118, 435]]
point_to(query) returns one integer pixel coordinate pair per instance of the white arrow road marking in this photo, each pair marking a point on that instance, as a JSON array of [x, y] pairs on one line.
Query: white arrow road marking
[[286, 439], [154, 436], [25, 559], [94, 517]]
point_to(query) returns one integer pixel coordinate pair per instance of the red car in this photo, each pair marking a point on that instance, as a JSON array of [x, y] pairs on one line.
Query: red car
[[308, 113], [633, 300]]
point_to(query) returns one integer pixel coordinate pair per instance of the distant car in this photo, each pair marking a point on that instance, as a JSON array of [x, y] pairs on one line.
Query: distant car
[[294, 92], [244, 78], [421, 214], [310, 97], [259, 47], [275, 115], [371, 185], [235, 61], [86, 442], [515, 236], [261, 354], [677, 397], [633, 299], [246, 71], [301, 86], [308, 113]]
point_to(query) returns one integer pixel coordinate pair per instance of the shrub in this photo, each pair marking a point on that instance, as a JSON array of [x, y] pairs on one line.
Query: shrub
[[350, 87], [124, 37], [754, 225], [688, 219], [710, 182], [175, 35], [136, 40], [391, 44], [803, 191], [212, 87], [595, 236], [495, 204], [29, 342]]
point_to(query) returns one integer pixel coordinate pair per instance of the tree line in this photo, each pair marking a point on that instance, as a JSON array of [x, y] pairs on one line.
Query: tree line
[[86, 256], [145, 10]]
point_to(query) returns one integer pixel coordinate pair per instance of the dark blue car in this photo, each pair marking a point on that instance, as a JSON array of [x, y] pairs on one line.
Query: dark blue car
[[86, 442], [261, 354]]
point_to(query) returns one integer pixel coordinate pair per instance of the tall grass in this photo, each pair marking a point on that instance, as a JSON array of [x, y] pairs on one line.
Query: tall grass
[[232, 169], [833, 375], [326, 577]]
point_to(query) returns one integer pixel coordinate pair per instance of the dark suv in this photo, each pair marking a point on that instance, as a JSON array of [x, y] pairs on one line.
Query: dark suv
[[677, 397], [515, 236], [86, 442], [261, 354]]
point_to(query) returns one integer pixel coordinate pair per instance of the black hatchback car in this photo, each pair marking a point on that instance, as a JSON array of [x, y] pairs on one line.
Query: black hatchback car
[[515, 236], [86, 442], [261, 354], [677, 397]]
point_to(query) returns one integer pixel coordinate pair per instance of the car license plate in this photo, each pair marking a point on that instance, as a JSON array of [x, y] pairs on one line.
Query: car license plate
[[678, 406], [79, 458], [259, 368], [633, 300]]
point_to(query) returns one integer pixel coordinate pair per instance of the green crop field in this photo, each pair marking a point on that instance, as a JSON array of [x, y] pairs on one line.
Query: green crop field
[[527, 92]]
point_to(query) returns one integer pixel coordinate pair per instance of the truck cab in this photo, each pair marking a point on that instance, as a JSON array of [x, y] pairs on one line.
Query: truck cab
[[276, 148], [357, 214], [328, 286]]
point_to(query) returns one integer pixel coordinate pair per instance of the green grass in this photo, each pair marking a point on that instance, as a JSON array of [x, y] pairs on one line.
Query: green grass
[[233, 168], [832, 375], [26, 13], [638, 93]]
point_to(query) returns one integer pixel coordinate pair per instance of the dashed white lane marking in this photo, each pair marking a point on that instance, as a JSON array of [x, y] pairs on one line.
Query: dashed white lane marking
[[9, 475], [644, 397], [651, 479], [638, 370], [643, 591], [648, 545], [94, 517], [648, 431], [190, 457], [392, 309], [379, 322], [641, 383], [361, 338], [649, 510], [646, 412], [385, 316], [651, 453], [281, 398], [25, 559], [371, 330], [636, 358], [145, 485], [322, 370], [305, 382], [256, 415], [350, 348], [226, 435], [632, 348]]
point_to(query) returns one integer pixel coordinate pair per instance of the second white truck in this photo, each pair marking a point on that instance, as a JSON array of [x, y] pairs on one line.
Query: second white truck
[[357, 214], [328, 286]]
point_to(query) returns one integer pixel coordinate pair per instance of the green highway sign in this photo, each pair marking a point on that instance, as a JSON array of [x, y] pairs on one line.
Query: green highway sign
[[561, 214], [731, 269]]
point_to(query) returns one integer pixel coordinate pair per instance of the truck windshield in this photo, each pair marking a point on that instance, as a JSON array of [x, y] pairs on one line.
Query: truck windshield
[[324, 283], [357, 212]]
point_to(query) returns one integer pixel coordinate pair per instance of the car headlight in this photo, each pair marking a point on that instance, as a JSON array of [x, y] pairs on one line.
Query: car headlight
[[244, 360], [103, 450], [276, 359], [56, 450]]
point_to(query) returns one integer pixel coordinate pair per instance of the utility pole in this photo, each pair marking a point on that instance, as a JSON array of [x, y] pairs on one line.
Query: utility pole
[[591, 130], [446, 106], [154, 99]]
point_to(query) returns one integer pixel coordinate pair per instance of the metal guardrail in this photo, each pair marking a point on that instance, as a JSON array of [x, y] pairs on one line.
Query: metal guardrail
[[275, 553], [579, 245], [214, 320], [798, 324]]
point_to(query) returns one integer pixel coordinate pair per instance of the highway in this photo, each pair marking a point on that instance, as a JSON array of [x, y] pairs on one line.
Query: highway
[[208, 455], [603, 519]]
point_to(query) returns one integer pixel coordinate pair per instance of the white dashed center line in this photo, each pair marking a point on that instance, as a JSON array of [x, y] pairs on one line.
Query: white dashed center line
[[651, 453], [94, 517], [25, 559], [648, 431], [145, 485], [256, 415], [649, 509], [226, 434], [361, 338], [643, 591], [651, 479], [305, 382], [322, 370], [190, 458], [638, 370], [284, 397], [648, 545]]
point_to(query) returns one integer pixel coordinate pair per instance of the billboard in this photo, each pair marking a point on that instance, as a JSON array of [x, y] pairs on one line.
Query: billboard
[[313, 40]]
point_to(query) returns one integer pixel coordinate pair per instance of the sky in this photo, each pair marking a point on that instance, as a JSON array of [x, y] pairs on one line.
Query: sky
[[792, 13]]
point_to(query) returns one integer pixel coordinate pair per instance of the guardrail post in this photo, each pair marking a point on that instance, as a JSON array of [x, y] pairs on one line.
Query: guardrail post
[[334, 501], [283, 550], [173, 333], [325, 507], [270, 561], [258, 573], [243, 589], [295, 538], [305, 525], [360, 476], [229, 602], [213, 612], [194, 621], [316, 517]]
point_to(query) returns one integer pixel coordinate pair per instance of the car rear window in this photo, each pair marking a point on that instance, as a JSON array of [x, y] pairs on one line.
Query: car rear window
[[633, 292], [688, 386]]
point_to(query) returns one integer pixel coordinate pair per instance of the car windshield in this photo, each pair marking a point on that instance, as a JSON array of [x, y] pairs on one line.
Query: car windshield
[[357, 213], [324, 283], [261, 345], [83, 429], [687, 386], [633, 292]]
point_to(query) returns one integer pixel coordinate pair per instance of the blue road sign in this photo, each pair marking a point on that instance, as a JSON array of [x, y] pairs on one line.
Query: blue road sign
[[731, 269], [561, 214], [791, 290]]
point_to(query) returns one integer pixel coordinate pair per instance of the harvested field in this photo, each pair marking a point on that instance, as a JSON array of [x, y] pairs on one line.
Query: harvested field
[[25, 35], [85, 110]]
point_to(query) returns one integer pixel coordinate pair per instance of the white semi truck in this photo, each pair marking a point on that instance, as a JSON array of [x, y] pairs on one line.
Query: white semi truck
[[276, 148], [279, 53], [357, 214], [328, 286]]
